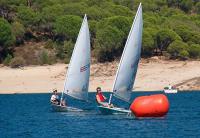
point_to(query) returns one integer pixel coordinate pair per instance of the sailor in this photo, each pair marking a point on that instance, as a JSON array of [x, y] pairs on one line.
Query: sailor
[[101, 99], [54, 98]]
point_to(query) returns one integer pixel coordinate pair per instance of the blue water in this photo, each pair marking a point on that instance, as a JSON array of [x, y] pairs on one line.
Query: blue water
[[29, 116]]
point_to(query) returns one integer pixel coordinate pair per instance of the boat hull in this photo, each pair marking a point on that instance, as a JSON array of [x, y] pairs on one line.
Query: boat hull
[[113, 110], [171, 91], [59, 108]]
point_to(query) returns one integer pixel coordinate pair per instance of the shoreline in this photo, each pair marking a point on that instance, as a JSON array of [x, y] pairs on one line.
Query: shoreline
[[153, 75], [59, 93]]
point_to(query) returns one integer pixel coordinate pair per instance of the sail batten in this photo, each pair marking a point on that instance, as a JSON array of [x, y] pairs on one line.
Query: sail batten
[[77, 77], [128, 65]]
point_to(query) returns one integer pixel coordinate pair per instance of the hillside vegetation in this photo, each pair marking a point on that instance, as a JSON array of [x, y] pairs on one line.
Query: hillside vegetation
[[44, 31]]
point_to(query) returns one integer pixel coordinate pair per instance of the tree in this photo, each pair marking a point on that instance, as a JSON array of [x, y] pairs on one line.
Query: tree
[[64, 50], [29, 3], [49, 13], [197, 6], [4, 9], [48, 18], [172, 2], [148, 44], [59, 21], [6, 38], [195, 37], [127, 3], [194, 51], [68, 49], [184, 32], [27, 16], [151, 20], [67, 26], [40, 4], [7, 8], [186, 5], [108, 44], [18, 31], [165, 37], [77, 9], [176, 49], [93, 29], [183, 54], [121, 23], [187, 34], [119, 10], [96, 2], [96, 13]]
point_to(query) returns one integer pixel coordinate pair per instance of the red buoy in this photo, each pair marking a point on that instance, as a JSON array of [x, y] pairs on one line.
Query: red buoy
[[150, 106]]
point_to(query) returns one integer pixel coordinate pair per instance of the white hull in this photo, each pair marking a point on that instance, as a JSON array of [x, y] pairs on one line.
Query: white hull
[[59, 108], [113, 110], [171, 91]]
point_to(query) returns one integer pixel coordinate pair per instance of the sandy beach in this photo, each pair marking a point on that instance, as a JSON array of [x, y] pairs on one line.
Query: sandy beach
[[153, 74]]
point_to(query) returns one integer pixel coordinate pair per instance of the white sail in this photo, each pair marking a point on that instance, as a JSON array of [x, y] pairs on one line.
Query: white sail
[[77, 78], [127, 68]]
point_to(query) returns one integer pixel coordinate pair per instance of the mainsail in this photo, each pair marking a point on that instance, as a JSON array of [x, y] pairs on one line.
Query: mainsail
[[127, 68], [77, 78]]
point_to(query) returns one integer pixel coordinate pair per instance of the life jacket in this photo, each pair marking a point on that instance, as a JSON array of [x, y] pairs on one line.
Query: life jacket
[[101, 97]]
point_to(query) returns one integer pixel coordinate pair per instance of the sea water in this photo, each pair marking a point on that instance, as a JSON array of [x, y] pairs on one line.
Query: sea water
[[30, 116]]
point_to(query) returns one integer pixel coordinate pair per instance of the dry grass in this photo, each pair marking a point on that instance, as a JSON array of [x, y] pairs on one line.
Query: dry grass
[[31, 53]]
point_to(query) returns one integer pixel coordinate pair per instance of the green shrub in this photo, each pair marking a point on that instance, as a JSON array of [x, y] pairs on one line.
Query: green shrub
[[6, 36], [68, 49], [188, 34], [165, 37], [64, 51], [198, 7], [49, 44], [109, 44], [46, 57], [27, 16], [7, 60], [59, 50], [194, 51], [186, 5], [123, 24], [18, 31], [67, 26], [165, 21], [17, 62], [148, 43], [176, 47], [183, 55]]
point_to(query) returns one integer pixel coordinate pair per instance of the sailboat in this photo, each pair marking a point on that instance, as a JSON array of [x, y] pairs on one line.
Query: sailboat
[[77, 78], [170, 89], [128, 65]]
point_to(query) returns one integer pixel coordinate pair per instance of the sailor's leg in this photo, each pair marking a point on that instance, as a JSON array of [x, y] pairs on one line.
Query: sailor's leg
[[106, 104]]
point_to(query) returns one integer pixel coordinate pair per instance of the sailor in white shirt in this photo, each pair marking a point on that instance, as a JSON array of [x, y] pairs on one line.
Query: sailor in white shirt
[[54, 98]]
